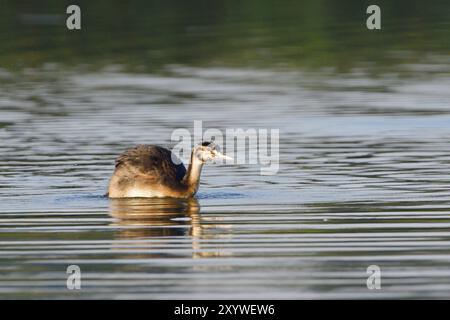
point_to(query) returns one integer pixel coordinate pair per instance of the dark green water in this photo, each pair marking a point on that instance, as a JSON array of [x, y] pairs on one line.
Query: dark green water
[[148, 35], [364, 119]]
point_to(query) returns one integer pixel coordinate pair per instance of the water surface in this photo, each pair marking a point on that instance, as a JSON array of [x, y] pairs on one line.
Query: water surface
[[363, 180], [364, 152]]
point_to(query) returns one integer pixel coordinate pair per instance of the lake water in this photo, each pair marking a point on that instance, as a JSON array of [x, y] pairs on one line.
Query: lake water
[[363, 180]]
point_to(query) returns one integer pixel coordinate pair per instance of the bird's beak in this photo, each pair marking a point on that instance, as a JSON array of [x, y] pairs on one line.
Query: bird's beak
[[220, 155]]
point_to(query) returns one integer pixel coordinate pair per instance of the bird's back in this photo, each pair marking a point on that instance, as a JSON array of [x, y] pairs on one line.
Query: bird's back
[[145, 166]]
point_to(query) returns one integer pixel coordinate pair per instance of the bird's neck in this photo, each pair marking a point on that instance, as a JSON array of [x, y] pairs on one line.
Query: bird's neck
[[192, 178]]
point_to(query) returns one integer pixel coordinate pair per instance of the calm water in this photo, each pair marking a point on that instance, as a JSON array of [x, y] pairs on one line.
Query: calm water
[[364, 179], [364, 174]]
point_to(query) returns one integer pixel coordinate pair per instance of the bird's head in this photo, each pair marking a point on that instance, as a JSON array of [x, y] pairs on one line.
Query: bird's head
[[209, 151]]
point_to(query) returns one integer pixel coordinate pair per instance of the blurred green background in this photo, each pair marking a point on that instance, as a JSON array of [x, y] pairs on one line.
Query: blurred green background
[[148, 35]]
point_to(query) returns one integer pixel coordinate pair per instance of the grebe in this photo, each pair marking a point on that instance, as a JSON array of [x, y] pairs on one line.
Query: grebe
[[147, 171]]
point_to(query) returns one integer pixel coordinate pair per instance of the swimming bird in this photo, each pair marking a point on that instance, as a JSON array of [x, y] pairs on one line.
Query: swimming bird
[[149, 171]]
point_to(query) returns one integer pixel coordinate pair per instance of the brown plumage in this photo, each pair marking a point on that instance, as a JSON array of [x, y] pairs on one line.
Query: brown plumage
[[150, 171]]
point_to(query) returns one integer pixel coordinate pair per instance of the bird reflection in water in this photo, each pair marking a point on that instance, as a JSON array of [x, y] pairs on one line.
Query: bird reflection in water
[[154, 227], [155, 217]]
